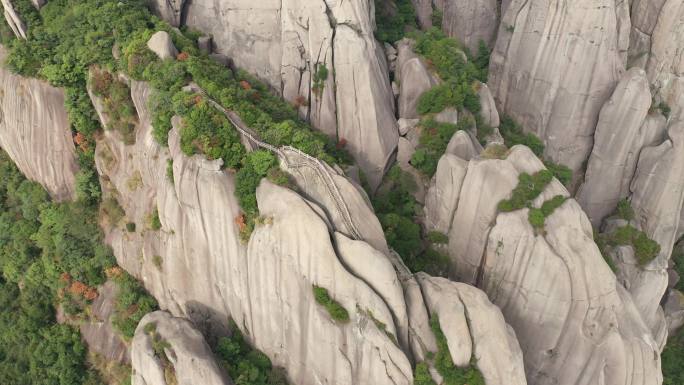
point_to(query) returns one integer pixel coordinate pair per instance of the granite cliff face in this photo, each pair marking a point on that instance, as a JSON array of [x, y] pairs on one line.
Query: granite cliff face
[[553, 276], [599, 82], [207, 274], [555, 64], [35, 132], [320, 55]]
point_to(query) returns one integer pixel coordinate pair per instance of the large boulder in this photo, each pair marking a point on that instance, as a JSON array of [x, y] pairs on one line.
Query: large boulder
[[35, 132], [554, 65], [196, 265], [488, 111], [445, 189], [161, 44], [616, 151], [168, 350]]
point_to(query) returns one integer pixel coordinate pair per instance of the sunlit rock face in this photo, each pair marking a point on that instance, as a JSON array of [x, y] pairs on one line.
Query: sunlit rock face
[[35, 132], [291, 45], [554, 65], [574, 321]]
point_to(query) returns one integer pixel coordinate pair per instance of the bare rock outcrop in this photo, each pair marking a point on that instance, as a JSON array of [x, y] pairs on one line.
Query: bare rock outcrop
[[14, 20], [322, 56], [470, 21], [197, 266], [35, 132], [620, 135], [534, 81], [475, 327], [489, 113], [656, 38], [575, 323], [414, 79], [445, 188], [168, 350], [204, 272]]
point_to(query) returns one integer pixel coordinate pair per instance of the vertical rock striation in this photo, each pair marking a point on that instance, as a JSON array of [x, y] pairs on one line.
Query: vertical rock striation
[[35, 132], [621, 133], [575, 323], [554, 65], [291, 44]]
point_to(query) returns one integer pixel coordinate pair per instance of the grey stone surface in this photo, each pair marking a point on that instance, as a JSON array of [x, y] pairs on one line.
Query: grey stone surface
[[161, 44], [533, 81], [99, 333], [575, 323], [284, 43], [620, 135], [35, 132], [475, 327], [187, 354], [470, 21], [414, 79]]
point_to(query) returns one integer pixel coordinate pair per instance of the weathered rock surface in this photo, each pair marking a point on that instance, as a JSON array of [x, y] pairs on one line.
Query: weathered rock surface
[[674, 311], [442, 196], [161, 44], [656, 38], [658, 189], [285, 43], [14, 20], [414, 79], [35, 132], [188, 358], [463, 145], [475, 327], [575, 323], [169, 10], [620, 135], [208, 275], [534, 81], [470, 21], [220, 277], [488, 107]]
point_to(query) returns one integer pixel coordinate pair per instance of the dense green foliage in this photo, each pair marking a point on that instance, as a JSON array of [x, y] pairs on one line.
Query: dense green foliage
[[671, 359], [529, 187], [678, 259], [421, 375], [40, 244], [116, 102], [132, 303], [397, 210], [245, 365], [645, 249], [452, 374], [537, 216], [334, 308], [394, 19], [460, 74], [434, 139]]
